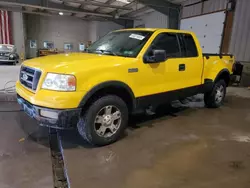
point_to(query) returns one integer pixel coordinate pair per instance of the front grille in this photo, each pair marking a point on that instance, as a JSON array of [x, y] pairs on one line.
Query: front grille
[[4, 57], [29, 77]]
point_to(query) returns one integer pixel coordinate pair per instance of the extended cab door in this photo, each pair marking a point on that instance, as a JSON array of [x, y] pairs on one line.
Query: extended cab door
[[182, 68], [163, 76], [191, 59]]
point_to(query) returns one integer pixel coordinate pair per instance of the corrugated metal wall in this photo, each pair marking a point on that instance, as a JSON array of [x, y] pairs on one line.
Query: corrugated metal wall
[[209, 6], [193, 10], [240, 39], [214, 5]]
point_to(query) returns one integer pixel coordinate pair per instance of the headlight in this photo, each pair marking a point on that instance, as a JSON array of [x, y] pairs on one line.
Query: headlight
[[59, 82], [11, 56]]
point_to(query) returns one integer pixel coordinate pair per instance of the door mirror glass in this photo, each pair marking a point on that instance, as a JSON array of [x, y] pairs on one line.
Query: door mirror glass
[[157, 57]]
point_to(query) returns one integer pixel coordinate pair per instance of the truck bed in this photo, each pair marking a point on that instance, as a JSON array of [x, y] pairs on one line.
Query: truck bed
[[211, 61], [207, 55]]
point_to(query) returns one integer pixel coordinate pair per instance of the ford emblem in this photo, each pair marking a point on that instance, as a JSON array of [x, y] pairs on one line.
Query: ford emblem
[[25, 77]]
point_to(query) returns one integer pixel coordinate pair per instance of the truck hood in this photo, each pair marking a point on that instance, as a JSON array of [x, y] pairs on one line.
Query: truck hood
[[68, 62]]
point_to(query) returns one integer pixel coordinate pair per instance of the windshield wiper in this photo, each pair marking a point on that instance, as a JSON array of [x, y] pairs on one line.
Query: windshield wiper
[[106, 51]]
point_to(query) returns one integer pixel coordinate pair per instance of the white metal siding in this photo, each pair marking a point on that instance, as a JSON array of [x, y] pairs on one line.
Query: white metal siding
[[240, 37], [153, 20], [208, 28]]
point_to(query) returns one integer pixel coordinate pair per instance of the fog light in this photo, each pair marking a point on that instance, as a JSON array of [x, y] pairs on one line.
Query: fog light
[[49, 114]]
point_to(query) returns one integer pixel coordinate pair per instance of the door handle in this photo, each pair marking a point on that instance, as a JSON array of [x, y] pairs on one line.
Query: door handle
[[182, 67]]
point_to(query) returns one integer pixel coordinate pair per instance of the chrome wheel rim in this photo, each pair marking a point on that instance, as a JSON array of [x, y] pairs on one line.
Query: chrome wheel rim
[[219, 94], [108, 121]]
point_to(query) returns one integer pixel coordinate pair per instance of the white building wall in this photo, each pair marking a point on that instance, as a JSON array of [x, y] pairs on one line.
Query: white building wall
[[62, 30], [152, 20], [93, 31], [56, 29], [104, 28]]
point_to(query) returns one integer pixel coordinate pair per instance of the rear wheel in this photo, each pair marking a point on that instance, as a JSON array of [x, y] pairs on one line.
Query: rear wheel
[[104, 122], [215, 98]]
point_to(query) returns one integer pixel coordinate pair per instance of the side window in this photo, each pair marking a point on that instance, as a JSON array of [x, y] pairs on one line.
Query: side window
[[167, 42], [190, 46], [182, 45]]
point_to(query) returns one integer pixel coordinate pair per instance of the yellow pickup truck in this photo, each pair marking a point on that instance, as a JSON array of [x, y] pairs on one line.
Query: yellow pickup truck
[[124, 72]]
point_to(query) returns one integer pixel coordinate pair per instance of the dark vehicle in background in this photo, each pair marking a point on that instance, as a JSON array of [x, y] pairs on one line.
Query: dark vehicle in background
[[8, 54]]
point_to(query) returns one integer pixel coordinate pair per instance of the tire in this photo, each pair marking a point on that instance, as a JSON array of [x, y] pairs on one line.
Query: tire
[[87, 126], [214, 99]]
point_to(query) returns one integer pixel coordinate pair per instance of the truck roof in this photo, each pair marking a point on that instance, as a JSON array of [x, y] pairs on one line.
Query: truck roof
[[156, 29]]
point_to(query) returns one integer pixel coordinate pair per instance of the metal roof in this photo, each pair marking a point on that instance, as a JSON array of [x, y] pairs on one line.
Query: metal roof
[[86, 9], [111, 7]]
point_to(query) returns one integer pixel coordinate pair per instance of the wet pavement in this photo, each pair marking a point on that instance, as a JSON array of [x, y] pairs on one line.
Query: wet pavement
[[181, 146], [25, 160], [185, 146]]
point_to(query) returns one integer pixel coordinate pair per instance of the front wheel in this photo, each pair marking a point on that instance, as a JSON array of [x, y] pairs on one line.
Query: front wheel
[[104, 122], [215, 98]]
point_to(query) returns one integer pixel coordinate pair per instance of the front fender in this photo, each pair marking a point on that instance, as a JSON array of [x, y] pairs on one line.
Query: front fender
[[116, 84]]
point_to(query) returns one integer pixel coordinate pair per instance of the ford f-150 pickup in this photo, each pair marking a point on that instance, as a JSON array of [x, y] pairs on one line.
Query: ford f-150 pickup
[[124, 72]]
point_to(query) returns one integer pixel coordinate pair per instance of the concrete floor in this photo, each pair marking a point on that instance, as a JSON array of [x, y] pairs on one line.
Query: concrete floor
[[8, 76], [25, 160], [185, 146]]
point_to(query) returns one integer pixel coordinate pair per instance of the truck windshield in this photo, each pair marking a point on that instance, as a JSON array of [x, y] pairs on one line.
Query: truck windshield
[[121, 43]]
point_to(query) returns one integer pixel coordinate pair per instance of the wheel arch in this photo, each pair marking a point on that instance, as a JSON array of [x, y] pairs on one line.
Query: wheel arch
[[223, 74], [118, 88]]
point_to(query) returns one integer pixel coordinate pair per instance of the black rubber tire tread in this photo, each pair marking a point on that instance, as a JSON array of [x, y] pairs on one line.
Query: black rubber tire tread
[[85, 125], [209, 98]]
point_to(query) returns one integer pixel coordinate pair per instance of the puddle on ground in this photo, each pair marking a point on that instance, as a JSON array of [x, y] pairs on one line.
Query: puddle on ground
[[241, 138]]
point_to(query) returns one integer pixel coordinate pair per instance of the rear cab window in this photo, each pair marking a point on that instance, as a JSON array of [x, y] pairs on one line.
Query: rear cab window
[[187, 45]]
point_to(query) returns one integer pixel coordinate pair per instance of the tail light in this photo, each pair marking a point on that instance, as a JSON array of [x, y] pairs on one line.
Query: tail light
[[237, 68], [234, 67]]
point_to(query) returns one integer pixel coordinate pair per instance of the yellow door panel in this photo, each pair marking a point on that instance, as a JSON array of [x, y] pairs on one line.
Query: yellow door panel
[[193, 72]]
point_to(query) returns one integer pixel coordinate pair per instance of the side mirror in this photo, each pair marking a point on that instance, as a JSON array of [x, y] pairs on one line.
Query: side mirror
[[158, 56]]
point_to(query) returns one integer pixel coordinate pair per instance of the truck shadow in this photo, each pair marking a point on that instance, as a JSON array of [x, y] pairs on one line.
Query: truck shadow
[[71, 138], [33, 131]]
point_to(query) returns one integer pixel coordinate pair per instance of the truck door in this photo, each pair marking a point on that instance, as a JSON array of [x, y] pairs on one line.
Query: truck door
[[173, 69], [190, 61], [182, 68]]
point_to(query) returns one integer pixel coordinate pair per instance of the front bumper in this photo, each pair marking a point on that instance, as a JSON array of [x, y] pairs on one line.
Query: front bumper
[[7, 61], [67, 118], [49, 98]]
